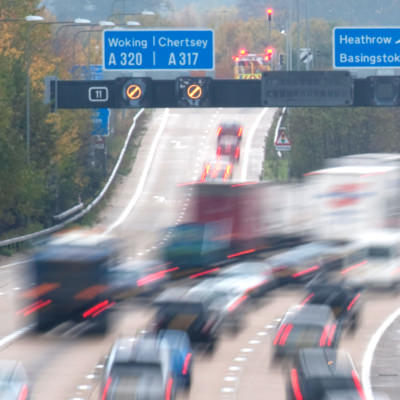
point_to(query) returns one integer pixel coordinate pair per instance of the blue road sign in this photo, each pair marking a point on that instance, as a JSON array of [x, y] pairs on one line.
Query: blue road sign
[[158, 50], [100, 118], [358, 47]]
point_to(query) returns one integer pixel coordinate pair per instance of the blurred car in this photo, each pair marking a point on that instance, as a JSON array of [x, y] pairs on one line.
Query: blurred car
[[13, 381], [381, 269], [234, 129], [229, 146], [137, 278], [219, 170], [138, 368], [181, 355], [305, 326], [299, 264], [323, 374], [345, 301], [256, 276], [182, 309]]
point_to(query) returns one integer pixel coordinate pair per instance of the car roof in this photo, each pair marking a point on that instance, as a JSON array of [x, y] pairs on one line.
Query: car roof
[[141, 349], [182, 295], [324, 362], [230, 124], [309, 314]]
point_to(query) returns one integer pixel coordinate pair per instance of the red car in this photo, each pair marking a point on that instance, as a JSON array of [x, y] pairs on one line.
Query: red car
[[232, 129], [216, 170], [229, 146]]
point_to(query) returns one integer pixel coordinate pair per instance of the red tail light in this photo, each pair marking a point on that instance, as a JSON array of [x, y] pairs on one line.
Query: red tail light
[[307, 299], [305, 271], [348, 269], [241, 253], [357, 383], [240, 131], [106, 388], [23, 393], [219, 130], [331, 334], [237, 152], [237, 302], [324, 336], [295, 384], [356, 297], [218, 150], [34, 307], [281, 329], [285, 335], [209, 271], [186, 364], [97, 309], [168, 390], [227, 172]]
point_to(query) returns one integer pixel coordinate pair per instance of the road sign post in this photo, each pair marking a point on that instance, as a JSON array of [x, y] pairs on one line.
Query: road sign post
[[361, 47], [144, 50], [282, 142]]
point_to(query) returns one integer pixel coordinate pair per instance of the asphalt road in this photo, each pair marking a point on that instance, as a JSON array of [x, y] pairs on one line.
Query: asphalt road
[[63, 365]]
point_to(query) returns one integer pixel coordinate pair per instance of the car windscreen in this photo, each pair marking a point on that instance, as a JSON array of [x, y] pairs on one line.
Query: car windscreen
[[305, 335], [379, 252], [333, 383]]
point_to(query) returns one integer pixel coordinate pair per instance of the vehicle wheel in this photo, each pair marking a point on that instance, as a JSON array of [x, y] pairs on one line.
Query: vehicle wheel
[[187, 383], [100, 326]]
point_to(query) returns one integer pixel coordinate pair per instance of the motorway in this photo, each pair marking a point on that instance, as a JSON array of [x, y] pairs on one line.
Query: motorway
[[63, 365]]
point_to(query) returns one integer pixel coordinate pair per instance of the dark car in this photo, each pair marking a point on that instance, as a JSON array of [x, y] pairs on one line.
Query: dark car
[[305, 326], [234, 129], [134, 279], [189, 311], [345, 301], [181, 355], [229, 146], [300, 264], [323, 374], [137, 367]]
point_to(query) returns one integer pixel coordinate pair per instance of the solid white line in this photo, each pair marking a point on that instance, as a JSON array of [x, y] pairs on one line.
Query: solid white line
[[249, 142], [143, 178], [15, 335], [369, 353]]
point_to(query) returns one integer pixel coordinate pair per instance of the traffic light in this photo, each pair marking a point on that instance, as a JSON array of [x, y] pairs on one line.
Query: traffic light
[[193, 92], [281, 59], [243, 52], [133, 92], [270, 11], [269, 53]]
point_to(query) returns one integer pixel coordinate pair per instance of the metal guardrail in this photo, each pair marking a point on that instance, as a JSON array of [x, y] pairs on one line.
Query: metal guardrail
[[278, 126], [89, 207]]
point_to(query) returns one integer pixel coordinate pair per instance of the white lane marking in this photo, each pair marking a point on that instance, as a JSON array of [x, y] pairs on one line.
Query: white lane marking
[[227, 390], [262, 333], [15, 263], [249, 141], [254, 341], [84, 387], [246, 350], [230, 378], [90, 376], [234, 368], [15, 335], [143, 178], [240, 359], [369, 353]]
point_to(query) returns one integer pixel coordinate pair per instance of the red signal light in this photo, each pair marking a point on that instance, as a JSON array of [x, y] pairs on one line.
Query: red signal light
[[243, 52], [270, 11]]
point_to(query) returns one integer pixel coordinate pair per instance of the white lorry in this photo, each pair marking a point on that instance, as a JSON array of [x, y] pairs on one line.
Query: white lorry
[[348, 201]]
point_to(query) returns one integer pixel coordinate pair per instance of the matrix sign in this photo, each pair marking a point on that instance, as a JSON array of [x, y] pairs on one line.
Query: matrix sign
[[158, 50]]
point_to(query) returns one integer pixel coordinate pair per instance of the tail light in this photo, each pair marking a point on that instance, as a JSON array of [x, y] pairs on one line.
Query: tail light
[[168, 389], [285, 335], [324, 336], [185, 367], [23, 394], [356, 297], [218, 150], [240, 131], [227, 172], [237, 152], [307, 299], [357, 384], [219, 130], [106, 388], [97, 309], [295, 384]]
